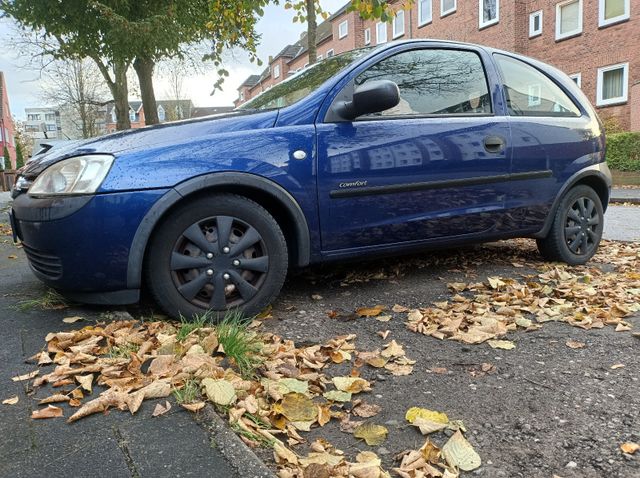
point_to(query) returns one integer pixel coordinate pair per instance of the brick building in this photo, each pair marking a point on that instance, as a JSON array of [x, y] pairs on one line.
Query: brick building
[[7, 129], [596, 42]]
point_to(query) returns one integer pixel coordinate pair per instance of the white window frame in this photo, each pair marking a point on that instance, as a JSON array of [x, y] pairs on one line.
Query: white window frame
[[330, 53], [443, 12], [386, 39], [132, 115], [276, 71], [367, 36], [396, 33], [625, 85], [342, 34], [577, 77], [601, 8], [481, 23], [577, 31], [162, 115], [532, 24], [319, 58], [430, 16]]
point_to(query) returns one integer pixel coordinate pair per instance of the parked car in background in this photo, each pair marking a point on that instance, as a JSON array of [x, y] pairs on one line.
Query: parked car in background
[[401, 147]]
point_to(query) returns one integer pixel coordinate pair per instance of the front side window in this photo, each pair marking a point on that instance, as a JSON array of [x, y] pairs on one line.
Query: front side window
[[529, 92], [343, 29], [398, 24], [489, 12], [381, 33], [535, 24], [424, 12], [434, 82], [613, 11], [568, 19], [447, 7], [612, 84]]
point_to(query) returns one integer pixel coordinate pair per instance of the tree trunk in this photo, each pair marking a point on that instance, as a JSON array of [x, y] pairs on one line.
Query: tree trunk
[[120, 92], [312, 28], [144, 70]]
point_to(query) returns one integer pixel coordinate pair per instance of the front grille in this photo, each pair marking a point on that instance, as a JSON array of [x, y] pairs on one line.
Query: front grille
[[48, 265]]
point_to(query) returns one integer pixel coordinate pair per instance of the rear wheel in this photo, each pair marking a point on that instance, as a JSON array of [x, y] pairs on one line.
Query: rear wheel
[[217, 253], [577, 228]]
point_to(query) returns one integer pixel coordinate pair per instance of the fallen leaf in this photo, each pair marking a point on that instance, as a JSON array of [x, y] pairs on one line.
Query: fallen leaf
[[439, 370], [85, 381], [12, 256], [428, 426], [220, 392], [459, 453], [72, 320], [392, 349], [501, 344], [399, 309], [384, 334], [366, 410], [372, 434], [57, 398], [617, 366], [337, 396], [630, 447], [495, 282], [11, 401], [316, 297], [572, 344], [49, 412], [297, 408], [351, 384], [622, 327], [26, 376], [193, 407], [161, 409], [370, 311], [425, 414], [283, 455]]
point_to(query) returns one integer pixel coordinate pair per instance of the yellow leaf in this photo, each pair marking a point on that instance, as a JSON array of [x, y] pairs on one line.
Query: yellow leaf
[[72, 320], [459, 453], [11, 401], [495, 282], [425, 414], [193, 407], [501, 344], [392, 349], [283, 455], [370, 311], [220, 392], [337, 396], [428, 426], [297, 408], [372, 434], [630, 447], [351, 384]]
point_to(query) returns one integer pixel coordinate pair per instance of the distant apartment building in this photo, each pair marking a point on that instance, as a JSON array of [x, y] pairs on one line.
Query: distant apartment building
[[168, 110], [7, 128], [43, 123], [596, 42]]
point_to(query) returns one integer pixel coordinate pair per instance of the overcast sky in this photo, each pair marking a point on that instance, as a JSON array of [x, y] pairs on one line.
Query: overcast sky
[[276, 28]]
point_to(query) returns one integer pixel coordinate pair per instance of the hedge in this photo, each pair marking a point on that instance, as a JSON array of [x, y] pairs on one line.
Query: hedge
[[623, 151]]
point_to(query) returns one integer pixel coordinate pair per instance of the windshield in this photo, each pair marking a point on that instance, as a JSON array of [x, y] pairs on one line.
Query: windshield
[[303, 83]]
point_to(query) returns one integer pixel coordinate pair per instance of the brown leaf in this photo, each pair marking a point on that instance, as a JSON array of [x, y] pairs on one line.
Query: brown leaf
[[57, 398], [370, 311], [49, 412], [384, 334], [630, 447], [366, 410], [573, 344], [161, 409], [26, 376], [72, 320], [85, 382], [11, 401], [193, 407]]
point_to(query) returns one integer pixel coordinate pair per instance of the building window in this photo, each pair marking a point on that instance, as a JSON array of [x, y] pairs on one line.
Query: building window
[[398, 24], [132, 115], [447, 7], [51, 127], [114, 116], [612, 84], [535, 24], [489, 12], [50, 117], [343, 29], [319, 57], [425, 13], [577, 78], [367, 36], [568, 19], [613, 11], [276, 71], [381, 32], [161, 114], [330, 53]]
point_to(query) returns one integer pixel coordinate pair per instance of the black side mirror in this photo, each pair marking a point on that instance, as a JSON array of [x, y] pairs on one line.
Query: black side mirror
[[371, 97]]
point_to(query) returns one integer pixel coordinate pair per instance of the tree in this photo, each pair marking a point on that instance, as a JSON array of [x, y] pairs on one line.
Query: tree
[[19, 156], [77, 87], [6, 160]]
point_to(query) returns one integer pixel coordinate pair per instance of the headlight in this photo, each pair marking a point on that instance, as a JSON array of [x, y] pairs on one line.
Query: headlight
[[80, 175]]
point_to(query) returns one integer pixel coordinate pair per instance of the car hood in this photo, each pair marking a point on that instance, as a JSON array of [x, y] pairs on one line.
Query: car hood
[[151, 136]]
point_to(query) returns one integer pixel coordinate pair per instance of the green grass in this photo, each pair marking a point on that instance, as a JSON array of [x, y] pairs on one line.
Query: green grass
[[189, 393], [240, 344], [188, 326], [123, 351], [262, 441], [50, 300]]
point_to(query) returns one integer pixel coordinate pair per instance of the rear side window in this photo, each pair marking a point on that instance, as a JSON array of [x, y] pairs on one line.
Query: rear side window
[[530, 93], [434, 82]]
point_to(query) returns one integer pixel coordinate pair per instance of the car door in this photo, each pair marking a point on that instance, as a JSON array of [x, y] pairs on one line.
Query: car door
[[433, 167]]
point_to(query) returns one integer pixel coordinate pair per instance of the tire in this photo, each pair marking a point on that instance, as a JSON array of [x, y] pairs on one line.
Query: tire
[[187, 266], [577, 228]]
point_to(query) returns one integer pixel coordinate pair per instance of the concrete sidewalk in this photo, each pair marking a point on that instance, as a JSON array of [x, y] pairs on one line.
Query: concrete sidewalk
[[629, 195]]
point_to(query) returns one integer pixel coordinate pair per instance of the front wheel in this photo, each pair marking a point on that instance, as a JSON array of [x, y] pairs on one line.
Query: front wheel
[[221, 252], [577, 228]]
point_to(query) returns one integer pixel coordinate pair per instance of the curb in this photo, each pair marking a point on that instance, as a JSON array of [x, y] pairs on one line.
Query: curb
[[621, 200], [240, 457]]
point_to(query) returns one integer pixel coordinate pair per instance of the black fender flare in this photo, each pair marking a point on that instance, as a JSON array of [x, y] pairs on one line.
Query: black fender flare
[[599, 171], [194, 185]]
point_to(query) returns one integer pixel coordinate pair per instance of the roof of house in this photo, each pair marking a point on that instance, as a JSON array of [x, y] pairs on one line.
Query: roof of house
[[253, 80]]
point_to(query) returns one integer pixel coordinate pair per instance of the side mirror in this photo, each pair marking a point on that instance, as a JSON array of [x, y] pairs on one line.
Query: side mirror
[[371, 97]]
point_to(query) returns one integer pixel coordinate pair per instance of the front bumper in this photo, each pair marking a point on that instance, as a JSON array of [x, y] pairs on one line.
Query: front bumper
[[80, 244]]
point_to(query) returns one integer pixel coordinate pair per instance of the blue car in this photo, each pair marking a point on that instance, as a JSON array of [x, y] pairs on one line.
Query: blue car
[[408, 146]]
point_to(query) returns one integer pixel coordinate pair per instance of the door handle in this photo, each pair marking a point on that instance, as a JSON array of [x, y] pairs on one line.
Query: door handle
[[494, 144]]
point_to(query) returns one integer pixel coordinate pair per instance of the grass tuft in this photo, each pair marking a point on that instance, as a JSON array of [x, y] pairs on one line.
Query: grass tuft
[[189, 393], [123, 351], [240, 344], [188, 326], [50, 300]]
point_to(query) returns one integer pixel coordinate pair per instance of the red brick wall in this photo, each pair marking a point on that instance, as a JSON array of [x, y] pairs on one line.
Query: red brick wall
[[8, 134]]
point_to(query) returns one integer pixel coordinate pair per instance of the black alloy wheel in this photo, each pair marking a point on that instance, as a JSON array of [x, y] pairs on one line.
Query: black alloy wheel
[[581, 226]]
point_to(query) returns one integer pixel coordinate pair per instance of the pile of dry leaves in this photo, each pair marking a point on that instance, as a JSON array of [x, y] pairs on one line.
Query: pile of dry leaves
[[286, 393], [604, 293]]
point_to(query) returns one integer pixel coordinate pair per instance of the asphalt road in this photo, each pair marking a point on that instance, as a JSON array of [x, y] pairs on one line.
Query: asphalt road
[[546, 406]]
